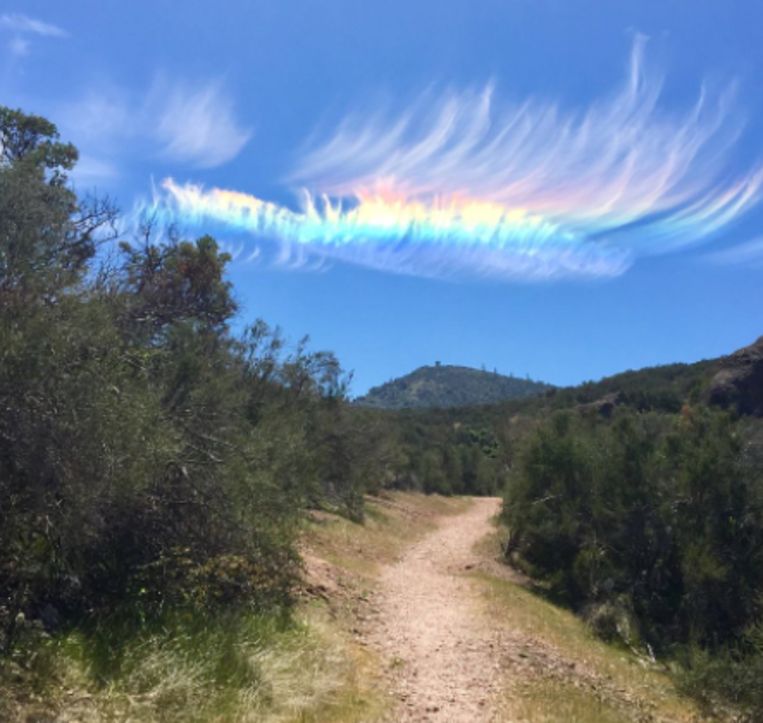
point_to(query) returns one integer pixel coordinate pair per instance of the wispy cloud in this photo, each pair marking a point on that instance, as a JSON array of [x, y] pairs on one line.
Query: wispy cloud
[[23, 24], [21, 27], [198, 125], [463, 183], [601, 170], [750, 252], [447, 240], [191, 125], [103, 116]]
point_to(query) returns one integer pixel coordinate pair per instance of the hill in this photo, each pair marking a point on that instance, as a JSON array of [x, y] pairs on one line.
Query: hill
[[449, 386], [734, 382], [663, 388]]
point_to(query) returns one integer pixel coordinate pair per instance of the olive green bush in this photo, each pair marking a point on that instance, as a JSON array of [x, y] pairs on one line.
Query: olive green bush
[[653, 514], [150, 459]]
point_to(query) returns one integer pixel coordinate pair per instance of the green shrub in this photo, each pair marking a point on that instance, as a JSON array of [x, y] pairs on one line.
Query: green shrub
[[150, 460], [656, 510]]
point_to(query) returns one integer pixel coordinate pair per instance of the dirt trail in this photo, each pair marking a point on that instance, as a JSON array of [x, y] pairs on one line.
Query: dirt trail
[[440, 653]]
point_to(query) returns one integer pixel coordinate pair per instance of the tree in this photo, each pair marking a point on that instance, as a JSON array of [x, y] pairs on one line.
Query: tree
[[46, 235], [178, 283], [34, 139]]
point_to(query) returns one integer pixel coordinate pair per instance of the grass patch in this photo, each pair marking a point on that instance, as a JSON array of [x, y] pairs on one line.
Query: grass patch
[[519, 610], [491, 546], [300, 669], [552, 701], [393, 521], [243, 668]]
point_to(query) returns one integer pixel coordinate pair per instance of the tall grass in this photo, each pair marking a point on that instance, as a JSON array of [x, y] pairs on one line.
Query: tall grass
[[185, 668]]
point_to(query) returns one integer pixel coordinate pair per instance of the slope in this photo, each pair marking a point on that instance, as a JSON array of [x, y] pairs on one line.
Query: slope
[[449, 386]]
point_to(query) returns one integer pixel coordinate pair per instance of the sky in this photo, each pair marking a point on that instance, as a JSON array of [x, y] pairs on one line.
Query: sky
[[562, 189]]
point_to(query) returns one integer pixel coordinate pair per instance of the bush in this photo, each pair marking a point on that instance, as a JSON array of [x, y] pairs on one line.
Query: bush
[[654, 510], [731, 676], [149, 459]]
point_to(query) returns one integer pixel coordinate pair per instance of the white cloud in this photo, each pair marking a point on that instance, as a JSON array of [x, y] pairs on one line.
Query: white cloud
[[624, 169], [462, 184], [750, 252], [23, 24], [194, 126], [22, 27], [100, 124], [100, 117], [197, 125]]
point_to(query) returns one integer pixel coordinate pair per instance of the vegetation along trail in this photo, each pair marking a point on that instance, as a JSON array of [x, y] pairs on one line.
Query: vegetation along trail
[[438, 648]]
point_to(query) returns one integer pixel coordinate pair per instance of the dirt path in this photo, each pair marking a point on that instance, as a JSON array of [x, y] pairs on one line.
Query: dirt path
[[440, 654]]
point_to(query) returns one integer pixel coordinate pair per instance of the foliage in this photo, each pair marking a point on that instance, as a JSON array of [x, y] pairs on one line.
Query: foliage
[[150, 460], [651, 525], [439, 451], [155, 464], [733, 675], [665, 388], [187, 667], [654, 512]]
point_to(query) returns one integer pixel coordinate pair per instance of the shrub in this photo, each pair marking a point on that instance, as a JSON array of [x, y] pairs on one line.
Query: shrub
[[654, 510]]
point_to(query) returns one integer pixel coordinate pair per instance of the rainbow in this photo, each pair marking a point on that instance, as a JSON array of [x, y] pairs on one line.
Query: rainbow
[[461, 185], [394, 233]]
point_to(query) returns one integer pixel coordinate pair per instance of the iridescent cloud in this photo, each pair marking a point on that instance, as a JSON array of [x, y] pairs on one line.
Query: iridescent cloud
[[464, 185]]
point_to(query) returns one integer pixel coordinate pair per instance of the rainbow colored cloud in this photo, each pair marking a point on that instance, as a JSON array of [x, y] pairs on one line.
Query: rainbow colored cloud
[[462, 185]]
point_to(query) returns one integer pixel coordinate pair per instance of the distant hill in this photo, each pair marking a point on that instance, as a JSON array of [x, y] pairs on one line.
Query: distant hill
[[449, 386]]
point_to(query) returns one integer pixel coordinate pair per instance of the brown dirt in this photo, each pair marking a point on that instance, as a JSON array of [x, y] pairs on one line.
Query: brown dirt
[[442, 660], [457, 636]]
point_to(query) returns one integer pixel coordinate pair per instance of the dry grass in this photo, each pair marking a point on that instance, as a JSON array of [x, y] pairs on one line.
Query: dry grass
[[248, 668], [566, 673], [393, 521], [330, 679], [554, 701], [252, 670]]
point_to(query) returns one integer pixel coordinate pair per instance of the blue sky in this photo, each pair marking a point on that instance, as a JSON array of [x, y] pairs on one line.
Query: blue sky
[[560, 188]]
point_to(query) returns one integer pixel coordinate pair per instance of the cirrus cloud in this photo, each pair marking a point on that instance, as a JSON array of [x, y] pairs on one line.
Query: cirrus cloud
[[198, 125], [189, 124], [463, 183], [22, 26], [749, 253], [19, 23]]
